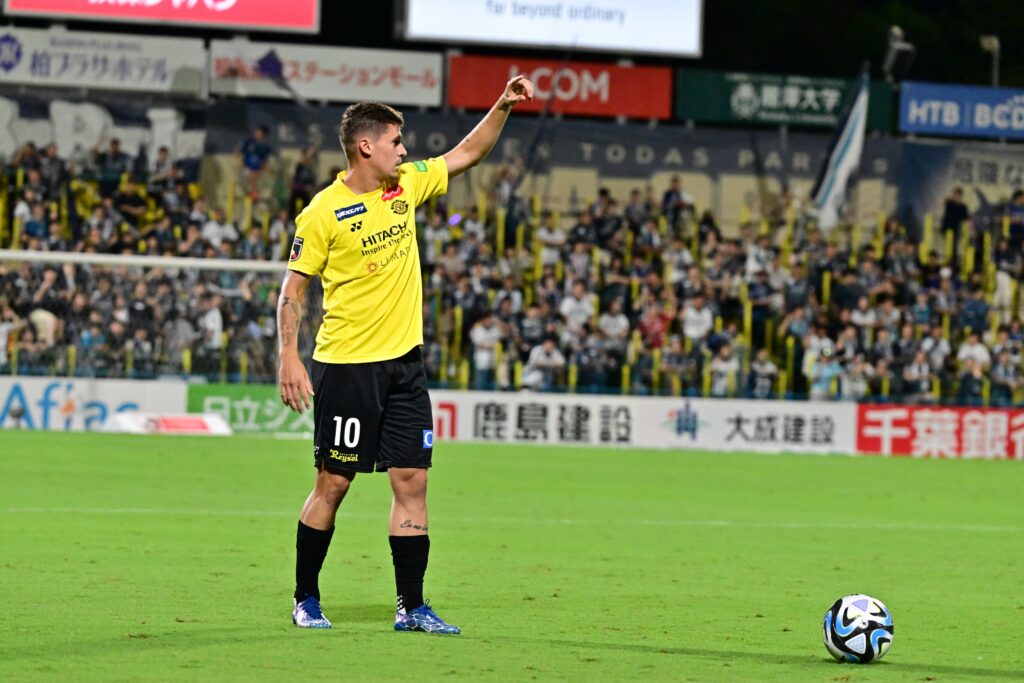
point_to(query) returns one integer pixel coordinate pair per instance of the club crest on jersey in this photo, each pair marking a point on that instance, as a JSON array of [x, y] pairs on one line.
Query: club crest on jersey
[[350, 211], [296, 249], [392, 192], [400, 207]]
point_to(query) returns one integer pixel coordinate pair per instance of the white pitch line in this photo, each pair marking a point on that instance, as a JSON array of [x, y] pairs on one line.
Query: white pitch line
[[708, 523]]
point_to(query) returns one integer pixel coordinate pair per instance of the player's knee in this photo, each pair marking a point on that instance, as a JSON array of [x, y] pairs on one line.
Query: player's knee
[[334, 486], [409, 483]]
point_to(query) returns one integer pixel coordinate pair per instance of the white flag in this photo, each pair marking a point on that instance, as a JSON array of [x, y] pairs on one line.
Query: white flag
[[843, 160]]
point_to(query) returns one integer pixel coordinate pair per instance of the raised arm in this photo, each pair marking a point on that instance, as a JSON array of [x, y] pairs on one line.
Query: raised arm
[[293, 380], [475, 146]]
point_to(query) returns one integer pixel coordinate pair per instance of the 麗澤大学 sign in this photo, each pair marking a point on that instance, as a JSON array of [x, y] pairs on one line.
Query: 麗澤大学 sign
[[739, 98]]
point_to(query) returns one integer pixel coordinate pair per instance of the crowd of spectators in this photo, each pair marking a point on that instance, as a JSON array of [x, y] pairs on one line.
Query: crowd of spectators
[[121, 321], [647, 296], [642, 294], [109, 202]]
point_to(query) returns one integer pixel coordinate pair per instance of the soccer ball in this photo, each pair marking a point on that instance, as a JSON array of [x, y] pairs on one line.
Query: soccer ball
[[857, 628]]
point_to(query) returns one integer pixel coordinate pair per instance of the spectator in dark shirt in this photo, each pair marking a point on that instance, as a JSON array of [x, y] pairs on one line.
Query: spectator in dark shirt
[[1015, 211], [304, 180], [954, 214], [675, 204], [799, 293], [254, 154], [974, 312], [708, 226], [584, 231], [52, 169], [971, 381], [636, 211], [112, 165], [847, 293], [761, 293], [130, 204], [177, 202]]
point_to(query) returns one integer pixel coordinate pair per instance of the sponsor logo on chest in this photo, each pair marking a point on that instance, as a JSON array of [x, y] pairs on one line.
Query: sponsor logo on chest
[[347, 212], [381, 237], [392, 193]]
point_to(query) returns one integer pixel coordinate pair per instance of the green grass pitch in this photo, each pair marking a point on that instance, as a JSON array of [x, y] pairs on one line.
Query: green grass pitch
[[171, 559]]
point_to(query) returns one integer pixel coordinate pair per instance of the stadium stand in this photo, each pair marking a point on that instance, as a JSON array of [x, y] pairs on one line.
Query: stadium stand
[[640, 294]]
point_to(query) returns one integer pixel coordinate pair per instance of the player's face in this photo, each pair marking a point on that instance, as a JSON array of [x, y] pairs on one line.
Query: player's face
[[389, 153]]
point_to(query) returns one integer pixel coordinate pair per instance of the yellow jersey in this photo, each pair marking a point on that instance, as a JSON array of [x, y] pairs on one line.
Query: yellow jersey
[[363, 247]]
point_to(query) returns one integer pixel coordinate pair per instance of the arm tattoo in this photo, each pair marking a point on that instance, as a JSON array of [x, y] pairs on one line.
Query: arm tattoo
[[407, 524], [289, 313]]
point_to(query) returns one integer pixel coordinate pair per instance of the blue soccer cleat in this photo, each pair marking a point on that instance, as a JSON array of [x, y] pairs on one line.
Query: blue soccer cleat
[[424, 619], [307, 614]]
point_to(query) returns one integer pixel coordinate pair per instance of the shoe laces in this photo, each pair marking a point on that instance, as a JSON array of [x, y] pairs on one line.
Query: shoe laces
[[311, 606], [428, 612]]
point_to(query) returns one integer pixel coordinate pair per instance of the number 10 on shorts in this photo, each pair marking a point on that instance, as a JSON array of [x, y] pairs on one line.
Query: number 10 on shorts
[[350, 431]]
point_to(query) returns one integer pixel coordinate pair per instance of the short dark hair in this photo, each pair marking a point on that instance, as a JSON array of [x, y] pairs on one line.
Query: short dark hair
[[365, 117]]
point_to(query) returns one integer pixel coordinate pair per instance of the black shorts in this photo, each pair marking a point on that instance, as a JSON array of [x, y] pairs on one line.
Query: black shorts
[[372, 416]]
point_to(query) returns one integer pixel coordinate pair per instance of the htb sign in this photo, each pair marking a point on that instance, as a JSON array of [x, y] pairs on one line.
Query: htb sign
[[961, 110]]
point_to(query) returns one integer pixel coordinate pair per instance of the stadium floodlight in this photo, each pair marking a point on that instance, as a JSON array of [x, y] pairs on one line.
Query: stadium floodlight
[[898, 57], [991, 44]]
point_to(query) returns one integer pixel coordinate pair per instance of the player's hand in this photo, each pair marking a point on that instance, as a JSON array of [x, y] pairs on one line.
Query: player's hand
[[294, 384], [518, 89]]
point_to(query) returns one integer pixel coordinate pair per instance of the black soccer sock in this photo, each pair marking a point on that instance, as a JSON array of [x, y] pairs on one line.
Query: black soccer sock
[[310, 550], [409, 555]]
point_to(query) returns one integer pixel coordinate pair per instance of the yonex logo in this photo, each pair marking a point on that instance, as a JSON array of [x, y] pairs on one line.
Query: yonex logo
[[428, 438], [350, 211]]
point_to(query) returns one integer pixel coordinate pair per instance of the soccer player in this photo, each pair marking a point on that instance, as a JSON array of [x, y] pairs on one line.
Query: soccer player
[[372, 411]]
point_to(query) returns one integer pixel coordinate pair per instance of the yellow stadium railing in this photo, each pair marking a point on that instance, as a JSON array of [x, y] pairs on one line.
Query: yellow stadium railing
[[457, 315], [926, 238], [499, 231]]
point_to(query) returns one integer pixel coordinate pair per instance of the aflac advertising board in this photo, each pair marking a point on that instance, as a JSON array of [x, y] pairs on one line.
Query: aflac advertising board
[[75, 404]]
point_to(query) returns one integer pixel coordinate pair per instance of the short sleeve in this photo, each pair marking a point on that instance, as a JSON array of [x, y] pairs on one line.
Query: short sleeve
[[309, 248], [430, 178]]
